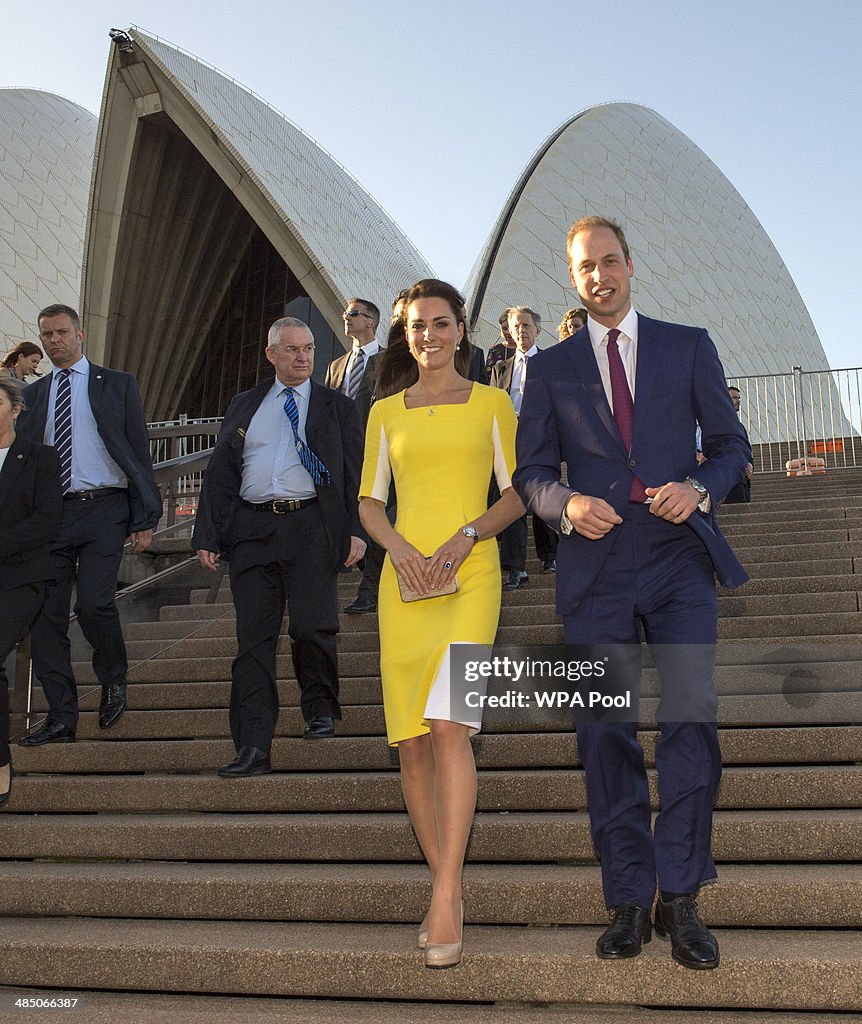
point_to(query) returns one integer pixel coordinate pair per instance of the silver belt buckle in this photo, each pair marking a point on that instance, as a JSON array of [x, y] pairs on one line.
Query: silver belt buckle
[[281, 506]]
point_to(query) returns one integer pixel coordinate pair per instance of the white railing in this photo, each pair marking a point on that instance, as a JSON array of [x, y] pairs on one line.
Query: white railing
[[803, 415]]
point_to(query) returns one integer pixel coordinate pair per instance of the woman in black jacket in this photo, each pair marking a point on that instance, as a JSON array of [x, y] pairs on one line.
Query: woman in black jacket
[[30, 511]]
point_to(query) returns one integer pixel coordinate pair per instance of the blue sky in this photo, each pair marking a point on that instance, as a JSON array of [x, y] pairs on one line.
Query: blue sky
[[436, 109]]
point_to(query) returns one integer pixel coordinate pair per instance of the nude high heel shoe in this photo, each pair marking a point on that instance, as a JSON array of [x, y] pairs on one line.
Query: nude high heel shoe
[[445, 954], [422, 938]]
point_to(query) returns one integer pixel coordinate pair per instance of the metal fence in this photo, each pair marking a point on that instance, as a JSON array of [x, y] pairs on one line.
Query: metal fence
[[810, 419]]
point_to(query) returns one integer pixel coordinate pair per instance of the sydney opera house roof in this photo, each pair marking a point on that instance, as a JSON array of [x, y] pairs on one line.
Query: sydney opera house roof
[[700, 255], [46, 161], [211, 215]]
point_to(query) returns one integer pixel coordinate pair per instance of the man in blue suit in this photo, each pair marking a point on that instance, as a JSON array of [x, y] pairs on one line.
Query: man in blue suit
[[618, 403]]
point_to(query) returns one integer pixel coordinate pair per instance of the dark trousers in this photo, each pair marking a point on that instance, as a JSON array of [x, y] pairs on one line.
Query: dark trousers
[[371, 568], [660, 576], [87, 552], [291, 567], [19, 606], [513, 543]]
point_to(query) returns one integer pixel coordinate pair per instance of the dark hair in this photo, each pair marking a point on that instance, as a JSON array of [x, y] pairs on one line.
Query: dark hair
[[733, 387], [585, 223], [25, 348], [372, 310], [58, 309], [400, 297], [399, 370]]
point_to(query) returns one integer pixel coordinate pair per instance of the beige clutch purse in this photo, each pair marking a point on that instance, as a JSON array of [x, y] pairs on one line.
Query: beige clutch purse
[[408, 594]]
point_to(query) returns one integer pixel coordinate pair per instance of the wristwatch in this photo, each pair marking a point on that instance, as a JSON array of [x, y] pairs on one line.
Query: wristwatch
[[703, 503], [471, 532]]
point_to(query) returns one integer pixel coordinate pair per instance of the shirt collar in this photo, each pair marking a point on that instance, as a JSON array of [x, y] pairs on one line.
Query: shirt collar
[[627, 326], [531, 351], [371, 349], [82, 366], [303, 390]]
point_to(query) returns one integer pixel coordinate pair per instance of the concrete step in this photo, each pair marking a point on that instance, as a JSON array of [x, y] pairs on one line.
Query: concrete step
[[794, 585], [353, 792], [746, 895], [771, 535], [835, 744], [360, 961], [515, 613], [771, 836], [143, 1008]]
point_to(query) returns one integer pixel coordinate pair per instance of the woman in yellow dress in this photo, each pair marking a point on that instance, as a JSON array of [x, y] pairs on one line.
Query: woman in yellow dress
[[439, 439]]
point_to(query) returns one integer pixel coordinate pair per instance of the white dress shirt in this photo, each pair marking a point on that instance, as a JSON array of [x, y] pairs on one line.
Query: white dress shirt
[[519, 376], [369, 350], [92, 466], [627, 344], [270, 463]]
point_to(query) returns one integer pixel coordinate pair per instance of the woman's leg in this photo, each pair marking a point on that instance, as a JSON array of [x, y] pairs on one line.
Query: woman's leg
[[454, 807]]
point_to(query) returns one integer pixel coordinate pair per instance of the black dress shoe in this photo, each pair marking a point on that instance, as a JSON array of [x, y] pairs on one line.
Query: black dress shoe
[[359, 605], [51, 732], [6, 774], [624, 937], [319, 728], [112, 705], [249, 761], [692, 943], [516, 578], [549, 565]]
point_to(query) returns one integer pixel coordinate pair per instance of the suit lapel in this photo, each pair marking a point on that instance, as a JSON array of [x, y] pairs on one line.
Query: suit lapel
[[318, 412], [648, 358], [15, 459], [340, 370], [37, 408], [587, 369]]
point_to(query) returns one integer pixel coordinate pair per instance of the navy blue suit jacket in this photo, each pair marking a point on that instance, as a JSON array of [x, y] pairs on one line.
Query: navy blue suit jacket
[[333, 430], [565, 418], [119, 414]]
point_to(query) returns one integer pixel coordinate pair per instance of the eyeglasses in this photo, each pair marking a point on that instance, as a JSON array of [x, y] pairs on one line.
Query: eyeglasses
[[292, 350], [351, 313]]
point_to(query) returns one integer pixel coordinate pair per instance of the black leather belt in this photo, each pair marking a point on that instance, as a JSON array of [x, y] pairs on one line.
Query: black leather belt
[[99, 492], [280, 506]]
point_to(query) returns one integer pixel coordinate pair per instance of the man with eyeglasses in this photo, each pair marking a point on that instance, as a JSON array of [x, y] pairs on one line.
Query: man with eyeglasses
[[279, 502], [354, 375]]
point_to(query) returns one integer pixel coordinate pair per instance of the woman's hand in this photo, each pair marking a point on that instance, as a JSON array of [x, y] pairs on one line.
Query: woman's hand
[[409, 563], [448, 558]]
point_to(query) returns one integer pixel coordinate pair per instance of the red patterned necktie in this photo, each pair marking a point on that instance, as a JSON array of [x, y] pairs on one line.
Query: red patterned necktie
[[624, 407]]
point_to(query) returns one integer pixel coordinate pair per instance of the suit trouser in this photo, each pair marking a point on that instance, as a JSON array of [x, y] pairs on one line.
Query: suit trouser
[[659, 575], [88, 551], [19, 606], [513, 543], [293, 568]]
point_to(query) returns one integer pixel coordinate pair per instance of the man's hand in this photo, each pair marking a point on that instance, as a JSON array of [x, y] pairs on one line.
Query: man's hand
[[591, 517], [749, 469], [674, 502], [208, 559], [140, 540], [357, 551]]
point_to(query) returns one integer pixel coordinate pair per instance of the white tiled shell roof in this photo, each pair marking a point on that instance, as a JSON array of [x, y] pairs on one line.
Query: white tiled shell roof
[[357, 246], [700, 254], [46, 159]]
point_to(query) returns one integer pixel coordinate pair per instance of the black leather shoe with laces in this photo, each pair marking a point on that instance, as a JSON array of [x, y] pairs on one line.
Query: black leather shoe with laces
[[628, 931], [692, 943], [112, 705]]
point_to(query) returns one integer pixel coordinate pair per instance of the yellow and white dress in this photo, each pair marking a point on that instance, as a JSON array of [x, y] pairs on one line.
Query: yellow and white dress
[[441, 459]]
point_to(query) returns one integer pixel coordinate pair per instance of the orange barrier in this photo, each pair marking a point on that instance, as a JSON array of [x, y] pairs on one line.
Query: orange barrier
[[810, 466], [822, 447]]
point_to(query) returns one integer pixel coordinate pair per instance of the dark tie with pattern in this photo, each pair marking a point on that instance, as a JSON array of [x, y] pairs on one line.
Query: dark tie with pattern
[[316, 470], [624, 409], [355, 378], [63, 427]]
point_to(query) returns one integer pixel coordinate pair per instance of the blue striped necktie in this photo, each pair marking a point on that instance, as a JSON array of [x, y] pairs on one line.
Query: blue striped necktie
[[63, 427], [316, 470], [355, 378]]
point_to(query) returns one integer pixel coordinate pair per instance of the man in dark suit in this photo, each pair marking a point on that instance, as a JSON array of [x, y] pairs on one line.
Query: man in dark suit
[[30, 510], [279, 501], [354, 374], [93, 416], [618, 404], [511, 374], [740, 493]]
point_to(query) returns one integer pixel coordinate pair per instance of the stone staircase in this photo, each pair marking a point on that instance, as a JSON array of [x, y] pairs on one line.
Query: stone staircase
[[134, 878]]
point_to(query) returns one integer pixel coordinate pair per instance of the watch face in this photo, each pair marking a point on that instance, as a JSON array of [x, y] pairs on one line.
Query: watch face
[[470, 531]]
